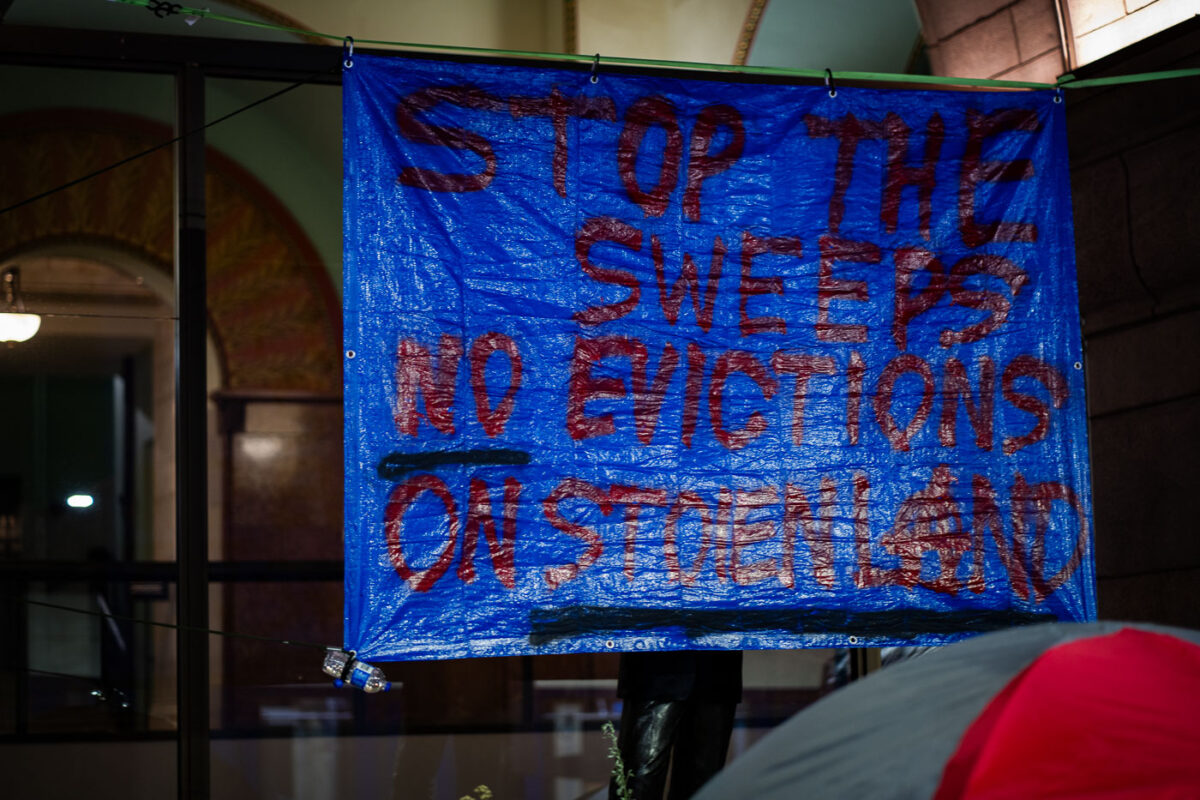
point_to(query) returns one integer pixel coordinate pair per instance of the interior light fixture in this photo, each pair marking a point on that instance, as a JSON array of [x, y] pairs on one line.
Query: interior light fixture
[[80, 501], [15, 324]]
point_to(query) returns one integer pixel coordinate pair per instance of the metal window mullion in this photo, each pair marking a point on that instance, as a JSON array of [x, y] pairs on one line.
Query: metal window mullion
[[191, 485]]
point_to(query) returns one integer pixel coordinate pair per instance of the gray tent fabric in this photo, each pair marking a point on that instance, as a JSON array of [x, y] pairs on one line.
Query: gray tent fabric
[[890, 734]]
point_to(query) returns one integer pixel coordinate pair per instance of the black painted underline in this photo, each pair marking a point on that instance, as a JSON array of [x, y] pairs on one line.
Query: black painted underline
[[550, 624], [395, 465]]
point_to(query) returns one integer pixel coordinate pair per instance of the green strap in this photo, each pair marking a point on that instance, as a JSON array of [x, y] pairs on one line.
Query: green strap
[[1065, 82], [1068, 81]]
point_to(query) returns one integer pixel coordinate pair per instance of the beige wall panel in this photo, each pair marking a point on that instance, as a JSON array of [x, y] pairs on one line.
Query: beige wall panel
[[1088, 15], [1044, 69], [500, 24], [942, 19], [983, 50], [673, 30]]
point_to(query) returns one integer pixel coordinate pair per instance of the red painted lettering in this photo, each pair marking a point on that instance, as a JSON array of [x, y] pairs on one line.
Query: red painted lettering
[[729, 362], [909, 262], [724, 512], [746, 533], [642, 115], [995, 304], [1027, 366], [481, 517], [1032, 506], [701, 165], [583, 386], [633, 498], [559, 110], [866, 574], [803, 367], [401, 498], [686, 501], [648, 395], [417, 130], [985, 515], [908, 306], [691, 392], [929, 521], [900, 174], [829, 288], [574, 488], [415, 376], [688, 282], [817, 529], [901, 439], [849, 131], [647, 401], [856, 371], [955, 385], [493, 420], [750, 286], [607, 229], [976, 171]]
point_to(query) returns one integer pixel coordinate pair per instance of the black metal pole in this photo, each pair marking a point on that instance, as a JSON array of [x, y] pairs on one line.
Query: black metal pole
[[191, 486]]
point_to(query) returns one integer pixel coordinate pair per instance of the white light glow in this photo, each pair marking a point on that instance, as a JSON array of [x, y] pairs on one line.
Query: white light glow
[[18, 327], [1101, 29], [80, 501], [261, 449]]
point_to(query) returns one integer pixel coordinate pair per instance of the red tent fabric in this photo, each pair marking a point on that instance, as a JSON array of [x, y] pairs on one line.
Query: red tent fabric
[[1065, 710], [1112, 717]]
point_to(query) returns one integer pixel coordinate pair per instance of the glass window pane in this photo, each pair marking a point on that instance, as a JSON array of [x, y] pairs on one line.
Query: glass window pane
[[260, 681], [91, 667], [274, 277], [275, 463], [87, 487], [89, 471]]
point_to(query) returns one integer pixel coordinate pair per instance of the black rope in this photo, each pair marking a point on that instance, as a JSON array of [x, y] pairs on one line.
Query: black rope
[[135, 620]]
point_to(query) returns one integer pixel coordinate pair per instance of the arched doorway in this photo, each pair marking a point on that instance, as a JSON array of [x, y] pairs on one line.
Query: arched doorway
[[273, 311], [96, 261]]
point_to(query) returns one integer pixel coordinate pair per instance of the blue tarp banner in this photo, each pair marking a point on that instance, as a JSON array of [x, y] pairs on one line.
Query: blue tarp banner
[[645, 363]]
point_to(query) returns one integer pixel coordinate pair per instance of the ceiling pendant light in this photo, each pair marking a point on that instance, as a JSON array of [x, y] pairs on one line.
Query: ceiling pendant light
[[15, 324]]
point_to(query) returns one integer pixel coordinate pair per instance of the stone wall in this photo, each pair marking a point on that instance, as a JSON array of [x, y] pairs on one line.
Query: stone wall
[[993, 39]]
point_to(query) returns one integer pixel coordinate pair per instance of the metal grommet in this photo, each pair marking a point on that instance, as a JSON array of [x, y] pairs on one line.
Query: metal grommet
[[610, 644], [829, 82], [349, 354], [1078, 365], [348, 52], [853, 640], [595, 66]]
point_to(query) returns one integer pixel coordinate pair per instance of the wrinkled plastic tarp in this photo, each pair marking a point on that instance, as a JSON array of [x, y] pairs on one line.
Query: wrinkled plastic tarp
[[646, 363]]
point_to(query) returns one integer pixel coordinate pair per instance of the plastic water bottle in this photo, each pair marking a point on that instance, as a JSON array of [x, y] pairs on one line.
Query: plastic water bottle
[[337, 662], [367, 677], [344, 668]]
